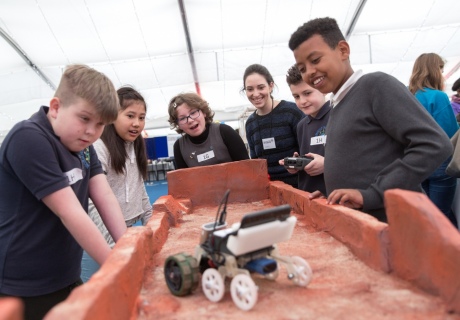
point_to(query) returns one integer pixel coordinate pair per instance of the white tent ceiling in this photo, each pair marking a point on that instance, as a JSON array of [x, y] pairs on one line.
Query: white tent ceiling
[[144, 43]]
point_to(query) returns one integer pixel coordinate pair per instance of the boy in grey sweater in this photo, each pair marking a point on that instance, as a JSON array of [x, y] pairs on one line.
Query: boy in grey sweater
[[378, 136]]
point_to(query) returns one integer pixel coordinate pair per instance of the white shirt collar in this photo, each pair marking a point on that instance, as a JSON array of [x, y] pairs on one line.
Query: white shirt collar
[[336, 98]]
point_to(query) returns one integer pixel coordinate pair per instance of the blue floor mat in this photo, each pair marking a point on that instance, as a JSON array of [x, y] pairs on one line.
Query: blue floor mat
[[156, 189]]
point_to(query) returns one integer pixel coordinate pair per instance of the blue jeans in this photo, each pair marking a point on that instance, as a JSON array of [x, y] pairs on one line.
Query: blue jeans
[[89, 266], [440, 188]]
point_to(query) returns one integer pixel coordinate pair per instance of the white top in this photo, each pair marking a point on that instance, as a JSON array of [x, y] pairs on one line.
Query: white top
[[336, 98], [129, 187]]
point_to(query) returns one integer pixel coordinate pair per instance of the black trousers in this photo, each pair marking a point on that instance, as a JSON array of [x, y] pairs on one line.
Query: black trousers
[[35, 308]]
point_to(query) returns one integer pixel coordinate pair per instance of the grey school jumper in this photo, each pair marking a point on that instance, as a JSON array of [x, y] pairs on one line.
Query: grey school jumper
[[379, 137]]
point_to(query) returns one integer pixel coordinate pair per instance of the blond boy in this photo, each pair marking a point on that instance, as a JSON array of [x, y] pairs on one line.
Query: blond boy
[[48, 168]]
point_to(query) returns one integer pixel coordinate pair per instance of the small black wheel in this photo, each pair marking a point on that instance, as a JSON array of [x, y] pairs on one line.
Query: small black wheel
[[181, 274]]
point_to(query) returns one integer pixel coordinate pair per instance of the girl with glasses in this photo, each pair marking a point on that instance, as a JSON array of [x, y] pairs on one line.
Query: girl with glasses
[[203, 142]]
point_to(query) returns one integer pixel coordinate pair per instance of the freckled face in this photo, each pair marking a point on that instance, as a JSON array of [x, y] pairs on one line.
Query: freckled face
[[322, 67], [131, 121], [192, 127], [77, 125]]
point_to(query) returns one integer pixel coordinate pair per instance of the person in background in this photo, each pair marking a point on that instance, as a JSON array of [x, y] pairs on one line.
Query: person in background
[[203, 142], [271, 129], [311, 131], [48, 168], [427, 83], [455, 99], [379, 137], [121, 150]]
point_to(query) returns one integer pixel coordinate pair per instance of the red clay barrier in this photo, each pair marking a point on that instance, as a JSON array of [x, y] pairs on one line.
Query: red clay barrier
[[424, 245], [206, 185], [112, 292], [364, 235], [419, 244]]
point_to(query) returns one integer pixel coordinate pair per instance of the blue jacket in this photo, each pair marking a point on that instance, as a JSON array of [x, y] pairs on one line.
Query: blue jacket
[[438, 105]]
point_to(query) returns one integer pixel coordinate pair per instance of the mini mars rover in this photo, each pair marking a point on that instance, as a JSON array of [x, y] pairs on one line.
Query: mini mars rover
[[246, 247]]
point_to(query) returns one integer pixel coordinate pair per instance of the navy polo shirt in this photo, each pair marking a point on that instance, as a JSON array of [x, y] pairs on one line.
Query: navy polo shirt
[[37, 253], [308, 128]]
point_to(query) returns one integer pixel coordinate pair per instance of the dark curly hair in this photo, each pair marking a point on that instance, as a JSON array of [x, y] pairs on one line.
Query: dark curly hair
[[194, 101], [293, 76], [326, 27]]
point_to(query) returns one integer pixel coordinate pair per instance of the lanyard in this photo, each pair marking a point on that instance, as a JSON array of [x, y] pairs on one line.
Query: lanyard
[[271, 125]]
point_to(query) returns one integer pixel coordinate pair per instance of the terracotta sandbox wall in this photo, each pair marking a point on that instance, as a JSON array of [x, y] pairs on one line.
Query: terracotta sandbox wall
[[418, 244]]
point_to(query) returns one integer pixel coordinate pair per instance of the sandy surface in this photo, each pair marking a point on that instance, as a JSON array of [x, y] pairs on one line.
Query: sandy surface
[[342, 286]]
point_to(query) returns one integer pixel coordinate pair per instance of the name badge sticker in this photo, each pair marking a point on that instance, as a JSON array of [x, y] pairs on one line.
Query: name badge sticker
[[268, 143], [74, 175], [205, 156], [318, 140]]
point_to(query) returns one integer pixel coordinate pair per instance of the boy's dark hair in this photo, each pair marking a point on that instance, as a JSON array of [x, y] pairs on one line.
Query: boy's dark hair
[[456, 85], [194, 101], [325, 27], [116, 145], [293, 76], [259, 69]]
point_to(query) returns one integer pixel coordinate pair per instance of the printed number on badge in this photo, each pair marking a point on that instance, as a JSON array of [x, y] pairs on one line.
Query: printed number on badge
[[268, 143], [318, 140], [205, 156]]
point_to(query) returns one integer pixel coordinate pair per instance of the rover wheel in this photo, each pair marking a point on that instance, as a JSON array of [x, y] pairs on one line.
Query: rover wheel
[[303, 273], [181, 274], [273, 275], [243, 291], [213, 285]]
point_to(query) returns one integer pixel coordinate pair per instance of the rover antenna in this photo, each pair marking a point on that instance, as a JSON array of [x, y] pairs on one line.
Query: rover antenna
[[220, 218]]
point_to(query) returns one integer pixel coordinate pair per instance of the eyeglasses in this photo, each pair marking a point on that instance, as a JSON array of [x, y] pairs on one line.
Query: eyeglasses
[[193, 115]]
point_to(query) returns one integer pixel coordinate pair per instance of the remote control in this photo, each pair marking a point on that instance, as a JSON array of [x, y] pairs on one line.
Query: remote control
[[297, 163]]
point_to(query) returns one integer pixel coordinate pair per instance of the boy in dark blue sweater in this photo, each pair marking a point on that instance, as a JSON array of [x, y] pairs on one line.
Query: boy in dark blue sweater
[[311, 131]]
